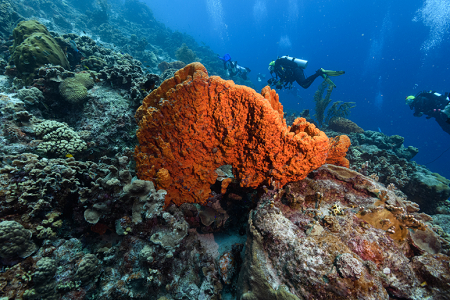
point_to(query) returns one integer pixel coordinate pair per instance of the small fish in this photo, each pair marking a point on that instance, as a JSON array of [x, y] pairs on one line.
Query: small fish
[[423, 283], [69, 155], [147, 66], [86, 67], [45, 105], [84, 32]]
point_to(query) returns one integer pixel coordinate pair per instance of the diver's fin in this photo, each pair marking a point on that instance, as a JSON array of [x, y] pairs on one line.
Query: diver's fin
[[332, 73], [328, 80]]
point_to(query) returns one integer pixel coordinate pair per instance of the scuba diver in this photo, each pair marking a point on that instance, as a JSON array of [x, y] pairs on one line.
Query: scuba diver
[[433, 105], [289, 69], [232, 67], [226, 61], [237, 70]]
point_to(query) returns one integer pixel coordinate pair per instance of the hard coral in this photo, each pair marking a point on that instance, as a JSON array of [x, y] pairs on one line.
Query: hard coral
[[193, 124], [34, 47], [75, 89], [344, 125], [185, 54]]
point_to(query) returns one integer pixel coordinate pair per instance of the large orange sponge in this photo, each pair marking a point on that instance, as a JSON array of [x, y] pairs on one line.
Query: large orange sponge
[[193, 124]]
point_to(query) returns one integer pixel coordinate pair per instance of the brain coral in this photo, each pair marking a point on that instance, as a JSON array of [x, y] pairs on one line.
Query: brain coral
[[193, 124], [75, 89]]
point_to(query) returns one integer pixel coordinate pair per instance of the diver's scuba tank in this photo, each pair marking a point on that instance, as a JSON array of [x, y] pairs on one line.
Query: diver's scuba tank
[[299, 62]]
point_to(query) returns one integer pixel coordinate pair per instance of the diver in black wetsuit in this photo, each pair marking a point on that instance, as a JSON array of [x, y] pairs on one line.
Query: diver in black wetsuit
[[289, 69], [432, 105]]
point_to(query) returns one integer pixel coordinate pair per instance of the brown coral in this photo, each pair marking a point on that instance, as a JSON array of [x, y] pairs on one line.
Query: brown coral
[[344, 125], [193, 124]]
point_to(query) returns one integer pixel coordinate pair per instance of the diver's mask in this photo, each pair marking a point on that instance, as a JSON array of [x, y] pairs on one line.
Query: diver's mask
[[410, 100], [272, 66]]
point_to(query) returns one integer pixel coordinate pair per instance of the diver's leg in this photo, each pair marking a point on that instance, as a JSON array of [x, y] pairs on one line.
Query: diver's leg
[[442, 121], [299, 76]]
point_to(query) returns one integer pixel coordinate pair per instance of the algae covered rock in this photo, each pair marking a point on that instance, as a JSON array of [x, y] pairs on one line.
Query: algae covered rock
[[34, 47]]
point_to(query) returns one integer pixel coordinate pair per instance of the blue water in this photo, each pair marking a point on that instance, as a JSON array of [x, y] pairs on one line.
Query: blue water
[[389, 50]]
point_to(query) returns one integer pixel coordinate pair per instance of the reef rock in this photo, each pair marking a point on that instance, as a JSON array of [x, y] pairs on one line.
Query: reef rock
[[364, 250]]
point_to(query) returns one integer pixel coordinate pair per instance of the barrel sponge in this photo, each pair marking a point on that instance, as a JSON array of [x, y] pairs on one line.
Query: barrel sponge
[[194, 123], [15, 240], [74, 89], [33, 48]]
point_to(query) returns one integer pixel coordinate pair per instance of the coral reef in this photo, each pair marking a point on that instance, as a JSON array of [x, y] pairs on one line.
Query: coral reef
[[129, 76], [298, 249], [373, 153], [84, 227], [163, 66], [193, 116], [135, 247], [185, 54]]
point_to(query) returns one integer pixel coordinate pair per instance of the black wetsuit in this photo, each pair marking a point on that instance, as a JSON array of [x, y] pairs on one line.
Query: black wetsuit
[[288, 71], [431, 105]]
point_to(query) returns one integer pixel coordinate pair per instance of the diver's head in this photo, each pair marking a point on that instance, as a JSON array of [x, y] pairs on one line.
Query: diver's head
[[272, 66], [410, 100]]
